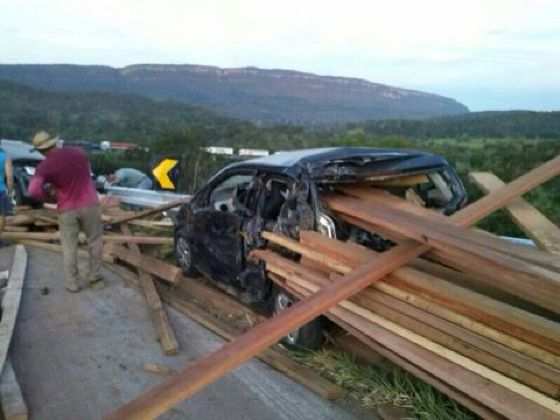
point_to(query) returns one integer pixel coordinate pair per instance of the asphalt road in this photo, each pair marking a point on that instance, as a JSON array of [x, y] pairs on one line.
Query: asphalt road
[[77, 356]]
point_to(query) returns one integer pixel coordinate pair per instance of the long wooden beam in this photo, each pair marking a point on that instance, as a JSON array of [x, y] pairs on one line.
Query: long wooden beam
[[534, 283], [191, 296], [55, 236], [150, 212], [213, 366], [158, 314], [442, 236], [272, 356], [419, 371], [452, 336], [164, 271], [500, 316], [535, 224], [386, 199], [496, 390]]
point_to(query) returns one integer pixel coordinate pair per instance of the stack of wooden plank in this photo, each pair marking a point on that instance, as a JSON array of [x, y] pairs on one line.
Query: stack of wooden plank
[[497, 358], [433, 316], [38, 227]]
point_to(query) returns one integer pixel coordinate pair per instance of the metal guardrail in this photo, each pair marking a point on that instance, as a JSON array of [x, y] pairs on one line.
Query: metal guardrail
[[143, 198]]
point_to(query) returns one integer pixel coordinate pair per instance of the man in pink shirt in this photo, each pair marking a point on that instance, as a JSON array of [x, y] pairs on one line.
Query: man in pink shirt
[[66, 174]]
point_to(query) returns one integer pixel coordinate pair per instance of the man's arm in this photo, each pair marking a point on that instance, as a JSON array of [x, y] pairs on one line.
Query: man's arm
[[36, 189], [9, 170]]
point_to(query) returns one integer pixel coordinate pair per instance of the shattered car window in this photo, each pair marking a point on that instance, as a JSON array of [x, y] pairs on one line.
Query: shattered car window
[[225, 196]]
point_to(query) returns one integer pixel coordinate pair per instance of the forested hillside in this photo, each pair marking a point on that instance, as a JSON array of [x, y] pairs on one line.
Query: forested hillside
[[528, 124], [99, 116], [258, 95]]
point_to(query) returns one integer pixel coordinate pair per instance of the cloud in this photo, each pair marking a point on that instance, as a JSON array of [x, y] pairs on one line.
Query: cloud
[[438, 45]]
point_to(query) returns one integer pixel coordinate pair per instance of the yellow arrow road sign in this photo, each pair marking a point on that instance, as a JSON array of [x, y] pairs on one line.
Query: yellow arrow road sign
[[161, 173]]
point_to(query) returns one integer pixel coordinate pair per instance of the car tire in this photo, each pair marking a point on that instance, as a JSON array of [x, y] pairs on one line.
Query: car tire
[[183, 254], [309, 336]]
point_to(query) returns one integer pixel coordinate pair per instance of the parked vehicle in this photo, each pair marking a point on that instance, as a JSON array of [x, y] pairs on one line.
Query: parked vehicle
[[218, 228], [25, 160]]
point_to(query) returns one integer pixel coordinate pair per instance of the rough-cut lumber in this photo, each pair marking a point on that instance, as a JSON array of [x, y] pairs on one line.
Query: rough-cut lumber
[[147, 263], [9, 228], [272, 357], [521, 395], [385, 199], [213, 366], [45, 221], [181, 298], [149, 212], [167, 339], [58, 248], [411, 355], [153, 224], [19, 220], [402, 181], [297, 247], [166, 335], [55, 236], [459, 339], [136, 239], [483, 350], [534, 283], [463, 399], [442, 236], [535, 224], [11, 399], [11, 301], [513, 321]]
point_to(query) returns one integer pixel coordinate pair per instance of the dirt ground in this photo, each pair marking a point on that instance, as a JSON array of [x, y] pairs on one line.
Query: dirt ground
[[77, 356]]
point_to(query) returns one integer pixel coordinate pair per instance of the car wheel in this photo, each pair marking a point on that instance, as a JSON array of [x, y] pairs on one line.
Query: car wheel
[[183, 254], [309, 336]]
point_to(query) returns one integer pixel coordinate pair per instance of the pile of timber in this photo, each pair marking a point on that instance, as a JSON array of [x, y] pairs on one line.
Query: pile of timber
[[129, 255], [38, 227], [450, 318], [476, 316]]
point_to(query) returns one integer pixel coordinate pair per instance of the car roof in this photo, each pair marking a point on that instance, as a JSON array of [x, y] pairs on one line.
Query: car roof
[[288, 159], [19, 150]]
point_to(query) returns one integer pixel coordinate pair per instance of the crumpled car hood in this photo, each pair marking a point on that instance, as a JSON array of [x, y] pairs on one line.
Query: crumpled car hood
[[373, 165]]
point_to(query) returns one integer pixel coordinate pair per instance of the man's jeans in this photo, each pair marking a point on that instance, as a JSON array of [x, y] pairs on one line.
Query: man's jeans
[[71, 222]]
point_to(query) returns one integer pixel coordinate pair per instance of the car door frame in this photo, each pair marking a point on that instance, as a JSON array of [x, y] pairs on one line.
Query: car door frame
[[212, 260]]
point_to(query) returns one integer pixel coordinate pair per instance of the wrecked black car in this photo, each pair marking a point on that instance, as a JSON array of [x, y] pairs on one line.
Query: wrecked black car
[[281, 193]]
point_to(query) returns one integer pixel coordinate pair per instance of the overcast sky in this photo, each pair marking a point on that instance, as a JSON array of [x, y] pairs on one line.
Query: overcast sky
[[492, 54]]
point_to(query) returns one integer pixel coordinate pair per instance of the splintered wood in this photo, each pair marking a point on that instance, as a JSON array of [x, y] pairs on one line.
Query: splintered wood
[[496, 359]]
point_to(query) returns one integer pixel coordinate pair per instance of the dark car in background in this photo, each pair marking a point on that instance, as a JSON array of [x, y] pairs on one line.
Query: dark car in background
[[24, 160], [223, 222]]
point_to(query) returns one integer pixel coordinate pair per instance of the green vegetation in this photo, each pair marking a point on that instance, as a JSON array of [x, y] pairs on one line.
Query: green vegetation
[[507, 143], [373, 386]]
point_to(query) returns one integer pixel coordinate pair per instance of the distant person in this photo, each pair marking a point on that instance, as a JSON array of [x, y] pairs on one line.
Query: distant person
[[130, 178], [6, 187], [64, 176]]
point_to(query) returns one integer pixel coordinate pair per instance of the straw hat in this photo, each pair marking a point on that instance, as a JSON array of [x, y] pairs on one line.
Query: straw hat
[[43, 140]]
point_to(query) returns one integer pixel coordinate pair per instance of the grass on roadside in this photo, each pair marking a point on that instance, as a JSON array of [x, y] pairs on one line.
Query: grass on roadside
[[373, 386]]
